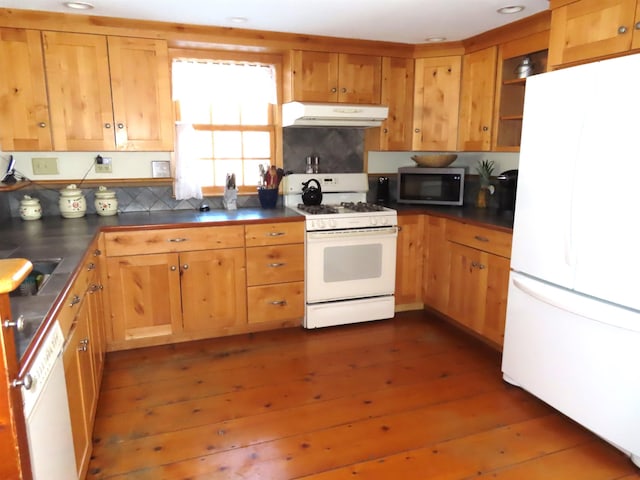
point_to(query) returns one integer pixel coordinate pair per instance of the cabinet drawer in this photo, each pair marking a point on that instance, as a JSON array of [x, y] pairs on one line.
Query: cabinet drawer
[[486, 239], [276, 302], [277, 264], [69, 308], [173, 240], [274, 233]]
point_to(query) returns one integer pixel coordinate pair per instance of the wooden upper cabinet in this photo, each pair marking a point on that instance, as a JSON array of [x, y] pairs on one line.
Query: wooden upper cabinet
[[335, 77], [436, 103], [108, 93], [141, 92], [24, 111], [397, 94], [477, 99], [587, 29]]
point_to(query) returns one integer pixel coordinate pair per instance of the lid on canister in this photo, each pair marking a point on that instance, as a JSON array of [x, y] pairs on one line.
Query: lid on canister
[[71, 191], [103, 192], [28, 200]]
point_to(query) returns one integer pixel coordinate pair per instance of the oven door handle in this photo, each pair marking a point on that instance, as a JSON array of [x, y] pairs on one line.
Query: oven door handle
[[354, 233]]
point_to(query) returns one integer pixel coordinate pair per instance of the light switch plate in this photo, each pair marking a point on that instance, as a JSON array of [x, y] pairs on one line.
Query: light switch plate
[[160, 169], [44, 165], [104, 166]]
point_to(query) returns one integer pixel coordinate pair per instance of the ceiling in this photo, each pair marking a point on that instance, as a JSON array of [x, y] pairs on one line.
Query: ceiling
[[402, 21]]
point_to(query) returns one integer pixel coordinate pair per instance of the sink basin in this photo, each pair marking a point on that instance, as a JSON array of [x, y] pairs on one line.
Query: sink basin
[[42, 270]]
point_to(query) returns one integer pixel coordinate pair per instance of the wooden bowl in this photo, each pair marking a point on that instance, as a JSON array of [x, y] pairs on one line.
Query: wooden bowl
[[436, 160]]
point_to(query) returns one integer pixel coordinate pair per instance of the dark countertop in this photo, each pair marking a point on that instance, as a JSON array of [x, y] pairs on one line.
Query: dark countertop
[[68, 240]]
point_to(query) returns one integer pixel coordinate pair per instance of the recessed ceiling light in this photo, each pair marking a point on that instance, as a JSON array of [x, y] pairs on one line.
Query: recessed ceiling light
[[78, 5], [508, 10], [238, 19], [435, 39]]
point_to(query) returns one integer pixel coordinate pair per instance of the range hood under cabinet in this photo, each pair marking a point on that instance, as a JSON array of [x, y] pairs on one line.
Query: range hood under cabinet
[[307, 114]]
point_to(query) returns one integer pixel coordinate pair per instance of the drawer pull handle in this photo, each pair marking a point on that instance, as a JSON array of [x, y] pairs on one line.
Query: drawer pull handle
[[177, 240], [84, 345], [481, 238], [26, 382], [276, 234], [19, 323], [97, 252], [75, 300], [279, 302], [276, 265], [91, 266]]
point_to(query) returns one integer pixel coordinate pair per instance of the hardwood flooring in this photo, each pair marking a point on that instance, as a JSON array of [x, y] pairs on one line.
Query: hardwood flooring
[[409, 398]]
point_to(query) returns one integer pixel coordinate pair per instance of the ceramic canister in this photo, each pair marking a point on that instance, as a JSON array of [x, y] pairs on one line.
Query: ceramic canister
[[106, 202], [72, 202], [30, 208]]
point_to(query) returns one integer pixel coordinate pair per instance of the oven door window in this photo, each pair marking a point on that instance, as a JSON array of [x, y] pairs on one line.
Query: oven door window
[[350, 265]]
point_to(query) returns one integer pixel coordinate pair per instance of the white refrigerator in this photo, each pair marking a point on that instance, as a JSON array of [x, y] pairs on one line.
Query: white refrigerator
[[572, 334]]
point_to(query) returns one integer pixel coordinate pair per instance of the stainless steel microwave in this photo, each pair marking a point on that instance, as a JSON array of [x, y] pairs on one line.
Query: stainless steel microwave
[[431, 186]]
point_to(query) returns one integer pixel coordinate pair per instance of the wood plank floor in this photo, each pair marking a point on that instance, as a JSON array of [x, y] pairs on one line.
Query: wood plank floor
[[409, 398]]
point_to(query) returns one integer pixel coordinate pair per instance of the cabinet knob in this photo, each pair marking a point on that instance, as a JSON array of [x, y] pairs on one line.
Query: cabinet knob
[[75, 300], [91, 266], [385, 130], [26, 382], [622, 29], [84, 345], [107, 125], [173, 268], [42, 125], [19, 323], [344, 90], [485, 128], [120, 126], [637, 26], [334, 90], [97, 252], [417, 130], [185, 266]]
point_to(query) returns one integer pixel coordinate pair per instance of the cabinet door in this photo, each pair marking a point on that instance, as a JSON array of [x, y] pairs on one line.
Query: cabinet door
[[96, 331], [477, 96], [436, 102], [436, 264], [635, 43], [359, 78], [213, 289], [315, 76], [409, 261], [397, 94], [24, 111], [77, 69], [141, 92], [589, 29], [479, 284], [81, 390], [144, 292]]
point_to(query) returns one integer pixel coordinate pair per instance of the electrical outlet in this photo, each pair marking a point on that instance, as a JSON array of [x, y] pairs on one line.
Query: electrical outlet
[[44, 166], [103, 164]]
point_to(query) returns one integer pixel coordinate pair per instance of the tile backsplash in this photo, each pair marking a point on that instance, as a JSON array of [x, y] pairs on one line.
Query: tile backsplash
[[341, 150]]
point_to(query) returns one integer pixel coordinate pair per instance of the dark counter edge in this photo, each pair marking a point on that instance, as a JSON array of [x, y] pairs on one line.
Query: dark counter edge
[[93, 225]]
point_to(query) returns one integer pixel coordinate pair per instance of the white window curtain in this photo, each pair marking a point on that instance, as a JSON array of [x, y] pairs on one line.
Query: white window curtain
[[216, 83]]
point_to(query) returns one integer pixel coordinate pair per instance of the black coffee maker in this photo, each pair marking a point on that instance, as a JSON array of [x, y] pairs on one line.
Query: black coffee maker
[[382, 191], [508, 183]]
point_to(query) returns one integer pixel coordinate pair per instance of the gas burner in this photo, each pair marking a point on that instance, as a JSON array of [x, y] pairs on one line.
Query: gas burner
[[362, 207], [317, 209]]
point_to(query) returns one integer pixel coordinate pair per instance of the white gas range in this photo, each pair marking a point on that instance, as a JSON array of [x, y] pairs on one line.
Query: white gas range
[[350, 250]]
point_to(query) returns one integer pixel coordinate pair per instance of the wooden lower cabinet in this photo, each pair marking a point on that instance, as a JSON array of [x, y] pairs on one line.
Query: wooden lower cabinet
[[478, 291], [81, 385], [409, 262], [437, 258], [213, 289], [275, 273]]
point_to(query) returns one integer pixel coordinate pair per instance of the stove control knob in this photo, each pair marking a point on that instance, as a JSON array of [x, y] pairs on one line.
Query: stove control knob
[[320, 223], [333, 223], [373, 221], [384, 221]]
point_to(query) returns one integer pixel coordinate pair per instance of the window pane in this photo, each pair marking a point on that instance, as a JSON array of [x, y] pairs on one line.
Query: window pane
[[224, 167], [252, 171], [203, 144], [227, 145], [257, 144], [225, 112], [255, 113], [205, 172]]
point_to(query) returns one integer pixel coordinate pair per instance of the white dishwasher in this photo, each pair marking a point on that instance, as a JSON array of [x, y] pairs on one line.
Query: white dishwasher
[[46, 411]]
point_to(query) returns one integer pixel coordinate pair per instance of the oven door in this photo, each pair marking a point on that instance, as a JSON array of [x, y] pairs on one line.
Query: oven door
[[346, 264]]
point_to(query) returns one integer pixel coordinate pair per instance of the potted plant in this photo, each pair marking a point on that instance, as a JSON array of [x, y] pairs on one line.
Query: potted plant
[[484, 169]]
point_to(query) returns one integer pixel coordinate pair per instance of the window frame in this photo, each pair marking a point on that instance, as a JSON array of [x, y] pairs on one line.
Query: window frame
[[276, 126]]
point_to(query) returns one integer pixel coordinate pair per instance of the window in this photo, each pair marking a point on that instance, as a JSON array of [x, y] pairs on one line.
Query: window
[[231, 106]]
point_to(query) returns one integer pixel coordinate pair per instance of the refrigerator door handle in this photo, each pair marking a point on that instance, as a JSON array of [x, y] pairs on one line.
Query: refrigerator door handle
[[578, 304]]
